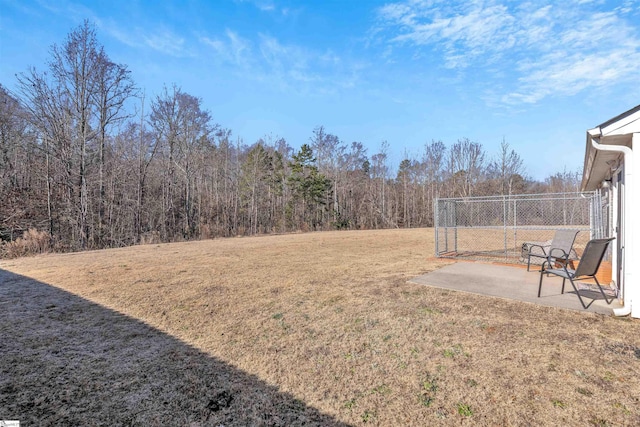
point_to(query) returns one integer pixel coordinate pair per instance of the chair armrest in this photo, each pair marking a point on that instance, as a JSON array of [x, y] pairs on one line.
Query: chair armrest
[[532, 245], [537, 245], [551, 259], [564, 254]]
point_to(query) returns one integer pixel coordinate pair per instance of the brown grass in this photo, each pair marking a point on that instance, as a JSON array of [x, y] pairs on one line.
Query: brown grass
[[318, 328], [32, 242]]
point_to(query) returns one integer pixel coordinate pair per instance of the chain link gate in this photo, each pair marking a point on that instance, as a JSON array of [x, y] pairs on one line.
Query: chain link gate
[[496, 227]]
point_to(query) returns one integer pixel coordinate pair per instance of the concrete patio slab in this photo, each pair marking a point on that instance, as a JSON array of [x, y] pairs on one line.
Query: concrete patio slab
[[514, 283]]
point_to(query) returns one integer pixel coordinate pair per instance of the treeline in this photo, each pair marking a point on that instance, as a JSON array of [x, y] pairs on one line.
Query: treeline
[[88, 160]]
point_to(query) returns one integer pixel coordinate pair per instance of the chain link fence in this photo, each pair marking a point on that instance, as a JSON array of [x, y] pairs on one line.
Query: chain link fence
[[496, 227]]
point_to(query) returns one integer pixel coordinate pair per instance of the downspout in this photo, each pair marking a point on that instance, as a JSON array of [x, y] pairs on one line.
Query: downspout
[[628, 209]]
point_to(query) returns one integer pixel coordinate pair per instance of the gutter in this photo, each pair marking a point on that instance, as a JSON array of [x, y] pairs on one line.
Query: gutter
[[629, 204]]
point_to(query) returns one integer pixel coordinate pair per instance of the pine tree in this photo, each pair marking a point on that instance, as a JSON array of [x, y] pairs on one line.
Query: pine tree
[[309, 189]]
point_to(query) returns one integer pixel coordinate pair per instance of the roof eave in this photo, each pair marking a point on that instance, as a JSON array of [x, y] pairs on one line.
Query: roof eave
[[589, 159], [606, 133]]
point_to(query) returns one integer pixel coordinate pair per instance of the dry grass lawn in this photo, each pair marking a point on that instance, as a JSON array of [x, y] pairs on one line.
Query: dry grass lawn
[[302, 329]]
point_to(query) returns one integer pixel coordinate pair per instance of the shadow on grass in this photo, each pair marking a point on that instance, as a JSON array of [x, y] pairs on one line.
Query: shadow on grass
[[65, 360]]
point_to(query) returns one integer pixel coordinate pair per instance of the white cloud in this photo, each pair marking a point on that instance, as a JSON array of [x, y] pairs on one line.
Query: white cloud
[[287, 66], [124, 37], [230, 49], [267, 6], [550, 48], [161, 40], [330, 58], [166, 42]]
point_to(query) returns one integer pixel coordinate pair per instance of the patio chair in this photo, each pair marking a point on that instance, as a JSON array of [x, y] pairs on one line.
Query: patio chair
[[587, 267], [563, 240]]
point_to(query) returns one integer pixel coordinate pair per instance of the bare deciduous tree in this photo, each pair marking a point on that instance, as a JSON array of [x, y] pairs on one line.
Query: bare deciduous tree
[[466, 163]]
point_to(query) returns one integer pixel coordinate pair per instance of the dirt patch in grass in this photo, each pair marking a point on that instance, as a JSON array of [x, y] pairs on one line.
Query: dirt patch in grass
[[318, 328]]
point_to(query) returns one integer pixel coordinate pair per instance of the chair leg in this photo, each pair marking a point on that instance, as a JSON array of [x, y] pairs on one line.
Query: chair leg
[[563, 282], [578, 293], [602, 291], [540, 284]]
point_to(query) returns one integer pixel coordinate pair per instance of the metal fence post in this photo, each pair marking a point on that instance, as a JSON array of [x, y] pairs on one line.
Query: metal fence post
[[435, 225], [455, 227], [446, 227], [515, 223], [504, 224]]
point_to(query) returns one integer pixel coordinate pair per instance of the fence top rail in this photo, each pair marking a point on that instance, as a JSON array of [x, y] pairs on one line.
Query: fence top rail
[[550, 227], [517, 197], [547, 199]]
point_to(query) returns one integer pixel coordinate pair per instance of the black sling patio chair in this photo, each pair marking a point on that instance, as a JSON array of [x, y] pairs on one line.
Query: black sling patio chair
[[563, 240], [587, 267]]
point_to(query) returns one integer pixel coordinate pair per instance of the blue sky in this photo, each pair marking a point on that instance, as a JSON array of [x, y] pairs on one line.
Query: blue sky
[[537, 73]]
